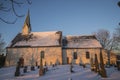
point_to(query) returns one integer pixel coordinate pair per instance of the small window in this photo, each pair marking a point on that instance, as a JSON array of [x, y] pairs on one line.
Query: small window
[[87, 55], [74, 40], [42, 54], [75, 55]]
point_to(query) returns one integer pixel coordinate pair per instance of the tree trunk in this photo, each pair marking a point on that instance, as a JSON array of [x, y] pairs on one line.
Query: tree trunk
[[102, 68], [92, 64], [96, 64], [108, 53], [41, 66]]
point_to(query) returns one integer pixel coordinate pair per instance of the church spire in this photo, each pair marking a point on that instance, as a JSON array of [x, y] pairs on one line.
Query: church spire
[[27, 26]]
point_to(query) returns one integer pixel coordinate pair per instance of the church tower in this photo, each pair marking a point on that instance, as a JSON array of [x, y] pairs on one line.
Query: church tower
[[27, 26]]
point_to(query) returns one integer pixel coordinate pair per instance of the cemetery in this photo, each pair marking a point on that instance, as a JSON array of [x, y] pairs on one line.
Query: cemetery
[[52, 55]]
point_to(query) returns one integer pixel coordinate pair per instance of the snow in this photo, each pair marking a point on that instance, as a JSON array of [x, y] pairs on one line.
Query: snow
[[112, 73], [60, 72], [41, 39], [82, 42]]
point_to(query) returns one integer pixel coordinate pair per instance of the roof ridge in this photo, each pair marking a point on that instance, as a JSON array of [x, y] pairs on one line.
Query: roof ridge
[[44, 31], [78, 35]]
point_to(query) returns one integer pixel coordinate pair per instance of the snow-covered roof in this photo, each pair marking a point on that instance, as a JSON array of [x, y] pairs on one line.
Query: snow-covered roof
[[52, 38], [85, 41]]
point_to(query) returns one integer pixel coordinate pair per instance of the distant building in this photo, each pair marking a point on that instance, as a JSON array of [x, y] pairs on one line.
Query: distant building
[[57, 48]]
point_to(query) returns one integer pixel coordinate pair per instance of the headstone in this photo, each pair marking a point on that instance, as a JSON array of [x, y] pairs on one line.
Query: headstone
[[70, 79], [46, 68], [38, 67], [25, 69], [21, 59], [53, 65], [71, 68], [32, 68], [17, 72], [118, 65], [84, 66]]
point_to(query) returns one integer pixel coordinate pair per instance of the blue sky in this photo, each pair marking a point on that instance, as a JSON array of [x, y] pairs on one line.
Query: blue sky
[[73, 17]]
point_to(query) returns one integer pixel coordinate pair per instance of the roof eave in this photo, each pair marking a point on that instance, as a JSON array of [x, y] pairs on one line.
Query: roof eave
[[82, 48], [33, 46]]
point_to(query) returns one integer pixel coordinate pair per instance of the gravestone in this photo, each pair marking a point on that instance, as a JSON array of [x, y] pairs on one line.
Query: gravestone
[[71, 68], [25, 69], [17, 72], [84, 66], [21, 60], [32, 68]]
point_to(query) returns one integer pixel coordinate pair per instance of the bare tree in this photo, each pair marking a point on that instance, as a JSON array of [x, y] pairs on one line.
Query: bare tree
[[105, 39], [103, 36], [117, 34], [2, 44], [96, 64], [10, 7], [116, 37], [102, 68], [119, 3]]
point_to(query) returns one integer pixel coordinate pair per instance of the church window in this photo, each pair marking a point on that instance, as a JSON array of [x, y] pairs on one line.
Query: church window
[[42, 54], [75, 55], [87, 55]]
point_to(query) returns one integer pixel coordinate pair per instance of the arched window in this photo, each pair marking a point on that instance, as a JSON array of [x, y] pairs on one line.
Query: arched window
[[87, 55], [75, 55], [42, 54]]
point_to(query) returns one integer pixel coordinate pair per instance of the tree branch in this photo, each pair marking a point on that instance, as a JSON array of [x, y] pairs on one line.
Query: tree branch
[[18, 3], [13, 8], [2, 8], [29, 2], [8, 21]]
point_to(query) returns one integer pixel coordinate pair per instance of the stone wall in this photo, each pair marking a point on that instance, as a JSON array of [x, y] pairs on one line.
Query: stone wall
[[53, 55], [81, 55], [32, 55]]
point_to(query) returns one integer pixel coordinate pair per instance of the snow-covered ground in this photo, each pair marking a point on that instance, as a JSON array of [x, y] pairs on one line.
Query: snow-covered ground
[[61, 72]]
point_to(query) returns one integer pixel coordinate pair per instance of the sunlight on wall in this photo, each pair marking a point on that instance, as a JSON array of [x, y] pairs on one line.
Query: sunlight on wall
[[53, 55], [25, 30]]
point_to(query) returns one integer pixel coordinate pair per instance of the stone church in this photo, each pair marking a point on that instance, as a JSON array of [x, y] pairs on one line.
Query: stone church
[[58, 49]]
